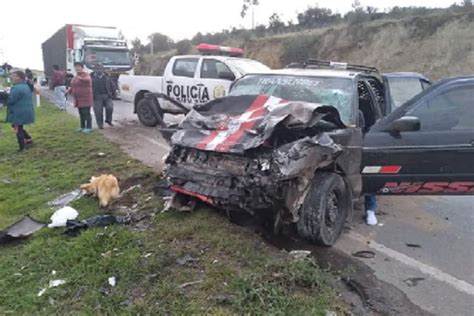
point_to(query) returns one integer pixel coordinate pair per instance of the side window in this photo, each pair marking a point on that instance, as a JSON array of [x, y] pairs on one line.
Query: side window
[[449, 110], [211, 69], [185, 67]]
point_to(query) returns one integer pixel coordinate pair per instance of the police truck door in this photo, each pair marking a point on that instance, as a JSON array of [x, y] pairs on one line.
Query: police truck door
[[217, 77], [180, 82]]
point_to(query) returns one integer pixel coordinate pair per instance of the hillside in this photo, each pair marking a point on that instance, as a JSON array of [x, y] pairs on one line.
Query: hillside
[[437, 45]]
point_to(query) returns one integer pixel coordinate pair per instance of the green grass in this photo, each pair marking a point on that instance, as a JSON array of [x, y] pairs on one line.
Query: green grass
[[238, 272]]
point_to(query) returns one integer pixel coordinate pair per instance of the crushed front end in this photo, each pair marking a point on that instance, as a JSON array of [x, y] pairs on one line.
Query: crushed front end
[[262, 164]]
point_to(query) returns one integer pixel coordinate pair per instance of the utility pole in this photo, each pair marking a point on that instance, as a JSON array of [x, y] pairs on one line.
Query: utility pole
[[152, 37]]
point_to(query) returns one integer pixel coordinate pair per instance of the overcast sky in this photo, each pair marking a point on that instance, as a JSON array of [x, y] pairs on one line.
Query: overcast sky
[[24, 25]]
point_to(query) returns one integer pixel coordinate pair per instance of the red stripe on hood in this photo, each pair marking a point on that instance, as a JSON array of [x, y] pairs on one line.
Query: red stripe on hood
[[255, 104], [258, 110]]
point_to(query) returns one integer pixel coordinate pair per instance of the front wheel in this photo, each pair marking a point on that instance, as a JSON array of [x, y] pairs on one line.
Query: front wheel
[[146, 114], [325, 209]]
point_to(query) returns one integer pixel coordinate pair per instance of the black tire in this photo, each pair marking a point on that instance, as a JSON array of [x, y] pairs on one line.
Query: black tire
[[146, 114], [324, 210]]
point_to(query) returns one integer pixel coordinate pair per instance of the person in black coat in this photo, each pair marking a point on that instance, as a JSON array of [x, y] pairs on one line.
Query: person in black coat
[[103, 93]]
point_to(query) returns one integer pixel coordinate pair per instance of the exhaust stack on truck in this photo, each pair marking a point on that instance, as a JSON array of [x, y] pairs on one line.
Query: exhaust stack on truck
[[90, 45]]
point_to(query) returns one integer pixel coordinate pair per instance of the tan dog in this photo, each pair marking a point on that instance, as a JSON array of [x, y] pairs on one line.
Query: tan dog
[[105, 187]]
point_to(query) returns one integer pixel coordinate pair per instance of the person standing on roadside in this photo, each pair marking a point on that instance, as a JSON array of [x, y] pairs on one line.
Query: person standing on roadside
[[103, 93], [20, 109], [58, 83], [81, 90]]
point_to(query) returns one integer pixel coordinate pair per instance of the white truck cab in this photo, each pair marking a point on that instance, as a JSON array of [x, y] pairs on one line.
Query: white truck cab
[[187, 81]]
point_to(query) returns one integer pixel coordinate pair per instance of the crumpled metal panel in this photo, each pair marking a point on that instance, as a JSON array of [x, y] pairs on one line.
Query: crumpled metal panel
[[307, 154], [238, 124]]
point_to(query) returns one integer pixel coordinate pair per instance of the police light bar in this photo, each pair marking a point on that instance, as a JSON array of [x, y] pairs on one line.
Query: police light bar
[[208, 49]]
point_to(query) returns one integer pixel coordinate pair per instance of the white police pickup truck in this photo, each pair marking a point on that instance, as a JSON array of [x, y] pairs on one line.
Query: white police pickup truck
[[187, 81]]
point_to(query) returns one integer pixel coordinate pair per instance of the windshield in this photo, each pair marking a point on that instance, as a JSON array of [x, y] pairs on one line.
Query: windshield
[[107, 57], [246, 66], [337, 92]]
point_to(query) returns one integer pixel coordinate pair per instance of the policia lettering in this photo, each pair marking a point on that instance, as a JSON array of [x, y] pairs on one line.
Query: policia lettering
[[197, 94]]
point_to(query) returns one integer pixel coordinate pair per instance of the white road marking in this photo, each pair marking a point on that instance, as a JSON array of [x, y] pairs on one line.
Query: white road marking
[[437, 274], [155, 142]]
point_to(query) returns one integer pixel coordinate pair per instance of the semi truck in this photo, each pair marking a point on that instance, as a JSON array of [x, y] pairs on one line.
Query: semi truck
[[90, 45]]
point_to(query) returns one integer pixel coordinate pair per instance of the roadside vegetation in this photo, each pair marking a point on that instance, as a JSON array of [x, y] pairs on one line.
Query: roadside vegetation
[[163, 263]]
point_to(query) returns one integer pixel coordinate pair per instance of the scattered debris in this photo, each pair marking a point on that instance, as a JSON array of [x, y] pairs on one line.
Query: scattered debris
[[299, 254], [17, 274], [148, 255], [222, 298], [329, 313], [74, 228], [188, 284], [52, 283], [365, 254], [381, 224], [21, 229], [51, 301], [101, 154], [137, 186], [61, 216], [67, 198], [112, 281], [186, 259], [413, 245], [6, 181], [413, 281]]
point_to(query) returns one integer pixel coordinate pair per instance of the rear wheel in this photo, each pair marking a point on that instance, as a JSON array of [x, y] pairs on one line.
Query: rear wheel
[[325, 209], [146, 113]]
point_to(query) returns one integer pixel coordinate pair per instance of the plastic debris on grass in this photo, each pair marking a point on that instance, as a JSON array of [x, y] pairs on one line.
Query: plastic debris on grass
[[67, 198], [61, 216], [21, 229], [52, 283]]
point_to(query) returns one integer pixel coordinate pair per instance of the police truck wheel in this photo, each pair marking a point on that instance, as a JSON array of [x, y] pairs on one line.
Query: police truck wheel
[[324, 210], [145, 113]]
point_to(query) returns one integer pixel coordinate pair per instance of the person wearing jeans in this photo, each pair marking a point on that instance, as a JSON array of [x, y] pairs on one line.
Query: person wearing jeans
[[81, 90], [58, 83], [103, 93], [20, 109], [370, 209]]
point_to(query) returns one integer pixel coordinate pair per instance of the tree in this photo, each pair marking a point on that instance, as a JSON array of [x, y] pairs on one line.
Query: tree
[[183, 47], [247, 4], [317, 17], [137, 46], [275, 23], [160, 43]]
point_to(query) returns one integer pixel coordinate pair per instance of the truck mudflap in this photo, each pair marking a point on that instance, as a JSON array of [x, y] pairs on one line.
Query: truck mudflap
[[253, 153]]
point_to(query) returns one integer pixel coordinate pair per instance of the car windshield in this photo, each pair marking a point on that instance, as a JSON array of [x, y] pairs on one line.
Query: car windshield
[[107, 57], [246, 66], [337, 92]]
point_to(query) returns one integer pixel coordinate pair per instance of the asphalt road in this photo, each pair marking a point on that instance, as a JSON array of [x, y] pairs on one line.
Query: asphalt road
[[436, 272]]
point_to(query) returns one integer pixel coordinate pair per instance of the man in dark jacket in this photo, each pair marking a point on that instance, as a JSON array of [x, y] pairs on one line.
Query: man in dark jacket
[[103, 93]]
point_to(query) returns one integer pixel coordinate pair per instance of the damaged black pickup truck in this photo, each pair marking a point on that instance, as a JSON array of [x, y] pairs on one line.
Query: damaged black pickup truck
[[292, 145]]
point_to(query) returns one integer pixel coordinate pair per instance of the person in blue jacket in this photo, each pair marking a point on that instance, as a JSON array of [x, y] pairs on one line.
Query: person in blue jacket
[[20, 109]]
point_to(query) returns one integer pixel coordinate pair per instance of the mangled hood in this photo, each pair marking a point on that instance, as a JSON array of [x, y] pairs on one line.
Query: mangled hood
[[236, 124]]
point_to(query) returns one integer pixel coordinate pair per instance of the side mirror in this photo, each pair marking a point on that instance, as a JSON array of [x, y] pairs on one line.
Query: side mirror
[[227, 76], [404, 124]]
